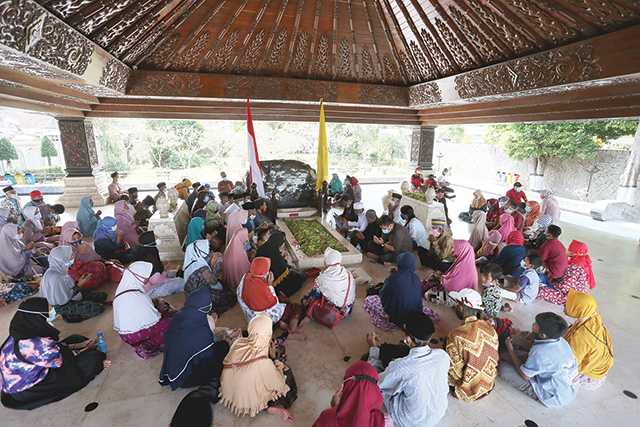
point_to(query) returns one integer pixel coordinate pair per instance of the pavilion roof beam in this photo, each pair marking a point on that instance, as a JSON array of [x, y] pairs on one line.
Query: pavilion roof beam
[[28, 94], [42, 107], [45, 86]]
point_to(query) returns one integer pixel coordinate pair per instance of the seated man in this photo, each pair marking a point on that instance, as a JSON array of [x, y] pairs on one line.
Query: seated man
[[162, 192], [262, 212], [414, 388], [528, 285], [115, 190], [516, 195], [393, 208], [360, 224], [364, 239], [395, 240], [473, 349], [553, 254], [550, 368], [144, 212], [133, 196]]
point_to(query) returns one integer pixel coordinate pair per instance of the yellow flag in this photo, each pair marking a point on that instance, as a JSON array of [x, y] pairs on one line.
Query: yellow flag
[[322, 171]]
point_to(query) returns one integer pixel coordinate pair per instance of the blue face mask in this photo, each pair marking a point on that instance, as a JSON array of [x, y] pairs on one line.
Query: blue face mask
[[247, 246]]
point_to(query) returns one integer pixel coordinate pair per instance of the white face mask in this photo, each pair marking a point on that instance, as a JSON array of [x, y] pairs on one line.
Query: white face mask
[[523, 264], [527, 209], [339, 212], [386, 230], [12, 195]]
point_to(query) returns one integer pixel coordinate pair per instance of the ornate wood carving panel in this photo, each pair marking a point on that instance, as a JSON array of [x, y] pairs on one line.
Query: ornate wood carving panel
[[78, 146], [424, 93], [422, 141]]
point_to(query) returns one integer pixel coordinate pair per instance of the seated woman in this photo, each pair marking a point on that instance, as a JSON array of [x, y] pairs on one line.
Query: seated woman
[[33, 230], [335, 284], [253, 379], [140, 321], [213, 218], [400, 296], [439, 257], [463, 273], [193, 355], [358, 401], [479, 203], [37, 368], [86, 261], [256, 295], [589, 339], [491, 246], [512, 255], [287, 281], [15, 257], [108, 243], [71, 301], [578, 276], [416, 228], [479, 232], [532, 211], [363, 240], [87, 218], [127, 227], [159, 284], [206, 272], [236, 261], [493, 213], [195, 230], [506, 226]]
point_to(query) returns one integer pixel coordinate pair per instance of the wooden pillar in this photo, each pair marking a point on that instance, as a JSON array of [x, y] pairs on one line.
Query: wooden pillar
[[84, 173], [422, 142]]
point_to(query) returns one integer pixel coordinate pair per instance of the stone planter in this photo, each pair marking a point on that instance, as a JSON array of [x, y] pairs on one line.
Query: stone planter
[[165, 231], [425, 212], [304, 262], [297, 212]]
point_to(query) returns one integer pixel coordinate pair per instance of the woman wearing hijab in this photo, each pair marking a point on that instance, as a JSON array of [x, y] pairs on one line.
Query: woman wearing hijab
[[507, 225], [256, 295], [235, 221], [252, 380], [236, 261], [72, 301], [33, 227], [511, 256], [550, 206], [335, 283], [140, 321], [195, 257], [490, 246], [533, 212], [202, 199], [578, 276], [213, 218], [400, 296], [478, 202], [15, 256], [87, 218], [194, 230], [440, 254], [108, 244], [35, 367], [589, 339], [335, 186], [493, 213], [5, 213], [479, 231], [287, 281], [463, 273], [193, 356], [205, 272], [181, 221], [127, 227], [358, 401], [86, 261], [357, 190]]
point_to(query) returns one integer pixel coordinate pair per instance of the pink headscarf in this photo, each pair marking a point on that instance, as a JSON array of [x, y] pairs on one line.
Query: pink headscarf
[[235, 262], [462, 273], [235, 222], [506, 226], [127, 226], [490, 245]]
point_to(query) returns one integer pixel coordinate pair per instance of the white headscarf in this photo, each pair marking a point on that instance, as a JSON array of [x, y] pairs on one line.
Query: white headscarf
[[334, 280], [134, 311], [195, 257], [33, 213], [57, 285]]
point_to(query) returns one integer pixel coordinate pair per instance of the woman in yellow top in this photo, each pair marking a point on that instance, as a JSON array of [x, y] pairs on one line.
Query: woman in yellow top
[[589, 340]]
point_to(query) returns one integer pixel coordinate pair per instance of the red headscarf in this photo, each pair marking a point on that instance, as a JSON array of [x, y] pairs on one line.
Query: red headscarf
[[515, 238], [255, 289], [354, 181], [580, 256], [360, 402], [533, 214], [494, 211]]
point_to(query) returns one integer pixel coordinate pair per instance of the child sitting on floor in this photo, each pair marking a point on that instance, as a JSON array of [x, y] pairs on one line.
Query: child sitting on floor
[[526, 290]]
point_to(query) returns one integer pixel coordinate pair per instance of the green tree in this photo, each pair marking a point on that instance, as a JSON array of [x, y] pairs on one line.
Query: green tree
[[7, 151], [47, 149], [183, 138], [570, 140]]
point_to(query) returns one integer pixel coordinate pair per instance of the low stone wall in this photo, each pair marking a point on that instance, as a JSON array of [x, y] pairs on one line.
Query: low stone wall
[[478, 163]]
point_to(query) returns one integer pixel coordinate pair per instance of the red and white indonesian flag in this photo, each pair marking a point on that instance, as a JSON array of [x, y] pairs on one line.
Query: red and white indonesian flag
[[255, 173]]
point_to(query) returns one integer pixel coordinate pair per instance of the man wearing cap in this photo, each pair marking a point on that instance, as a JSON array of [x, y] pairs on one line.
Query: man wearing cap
[[115, 191], [361, 220], [50, 214], [12, 203], [473, 349], [395, 240], [162, 192], [516, 194], [394, 208], [224, 185], [414, 387], [364, 239]]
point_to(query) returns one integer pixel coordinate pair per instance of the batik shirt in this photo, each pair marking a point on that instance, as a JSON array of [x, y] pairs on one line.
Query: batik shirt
[[492, 300], [40, 353], [473, 348], [13, 205]]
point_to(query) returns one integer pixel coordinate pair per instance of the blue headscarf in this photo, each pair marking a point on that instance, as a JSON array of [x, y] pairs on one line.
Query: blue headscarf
[[402, 292], [105, 229], [335, 185], [86, 217], [194, 230], [188, 340]]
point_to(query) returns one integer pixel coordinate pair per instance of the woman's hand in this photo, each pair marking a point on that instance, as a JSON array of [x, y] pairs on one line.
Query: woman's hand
[[84, 279]]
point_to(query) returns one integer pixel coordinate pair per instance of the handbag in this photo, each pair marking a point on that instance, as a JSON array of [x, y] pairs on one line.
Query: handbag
[[325, 313]]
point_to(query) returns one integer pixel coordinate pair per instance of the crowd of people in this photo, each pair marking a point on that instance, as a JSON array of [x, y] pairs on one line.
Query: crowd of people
[[235, 253]]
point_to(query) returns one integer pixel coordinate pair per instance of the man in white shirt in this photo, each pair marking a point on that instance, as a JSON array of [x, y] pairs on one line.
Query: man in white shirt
[[415, 227]]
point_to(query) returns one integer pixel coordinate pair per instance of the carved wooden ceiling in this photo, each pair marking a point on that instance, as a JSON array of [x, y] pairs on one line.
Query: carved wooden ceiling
[[372, 61], [397, 42]]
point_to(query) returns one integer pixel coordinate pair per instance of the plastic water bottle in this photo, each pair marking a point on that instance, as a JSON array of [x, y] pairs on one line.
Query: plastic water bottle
[[101, 344]]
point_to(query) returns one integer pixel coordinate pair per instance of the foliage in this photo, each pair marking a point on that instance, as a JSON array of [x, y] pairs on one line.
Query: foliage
[[175, 143], [7, 150], [451, 134], [416, 195], [47, 149], [312, 237]]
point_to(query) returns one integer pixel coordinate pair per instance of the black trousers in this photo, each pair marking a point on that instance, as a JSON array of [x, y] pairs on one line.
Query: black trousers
[[75, 373]]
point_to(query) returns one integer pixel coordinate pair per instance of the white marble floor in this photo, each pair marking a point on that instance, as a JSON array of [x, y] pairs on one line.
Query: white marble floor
[[129, 395]]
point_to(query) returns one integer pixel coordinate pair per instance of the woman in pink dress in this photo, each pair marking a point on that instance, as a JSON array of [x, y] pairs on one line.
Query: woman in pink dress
[[127, 227], [236, 263]]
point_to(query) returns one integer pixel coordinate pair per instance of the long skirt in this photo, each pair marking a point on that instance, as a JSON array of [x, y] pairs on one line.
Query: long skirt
[[11, 292], [574, 278], [149, 342], [208, 371], [373, 307], [97, 270], [59, 383], [292, 283]]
